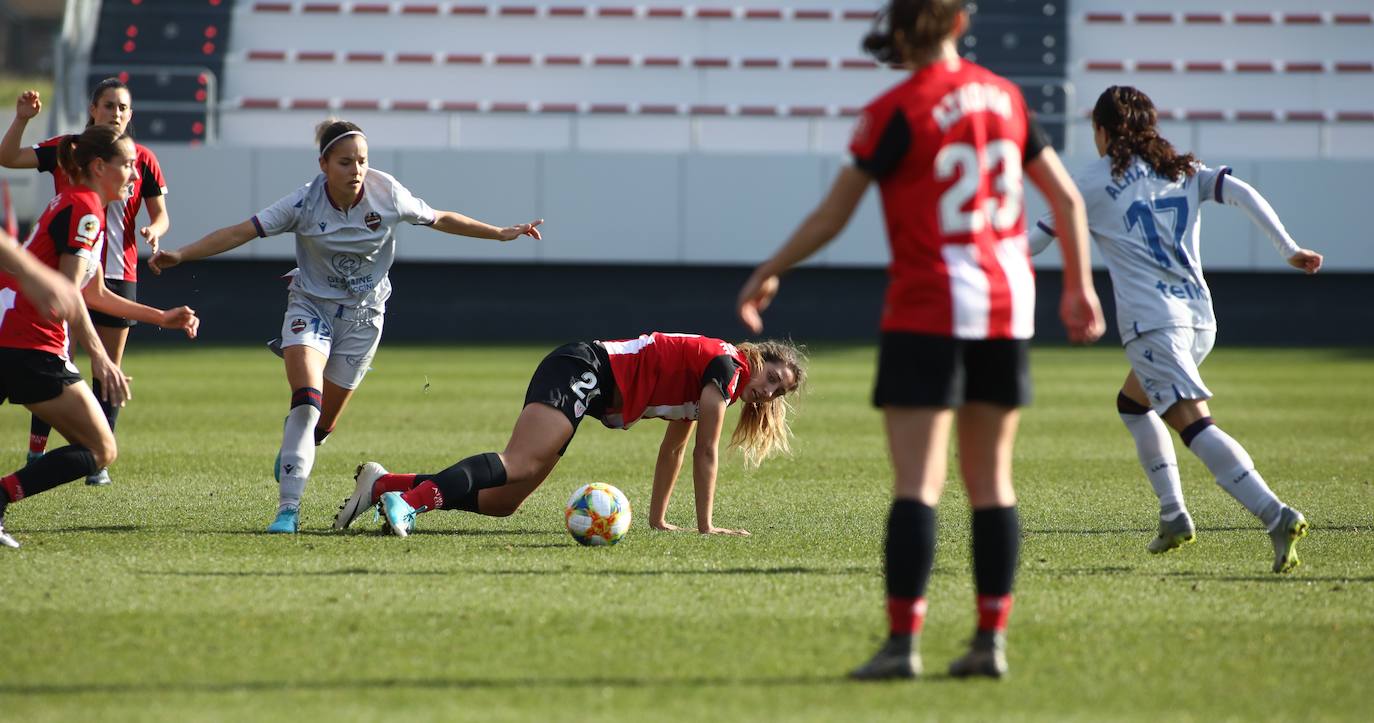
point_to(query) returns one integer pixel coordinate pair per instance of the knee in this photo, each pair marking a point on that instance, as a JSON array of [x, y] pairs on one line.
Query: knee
[[105, 451]]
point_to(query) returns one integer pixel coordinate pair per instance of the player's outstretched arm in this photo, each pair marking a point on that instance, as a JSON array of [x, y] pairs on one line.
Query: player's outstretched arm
[[821, 226], [1079, 308], [666, 469], [705, 459], [158, 221], [1238, 193], [103, 300], [215, 242], [51, 293], [460, 225], [12, 152]]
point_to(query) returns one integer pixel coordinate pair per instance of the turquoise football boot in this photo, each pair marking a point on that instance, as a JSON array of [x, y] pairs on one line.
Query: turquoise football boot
[[400, 516], [288, 521]]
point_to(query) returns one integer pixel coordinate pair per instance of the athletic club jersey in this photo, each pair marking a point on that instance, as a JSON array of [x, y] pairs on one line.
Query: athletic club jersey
[[661, 375], [1148, 229], [344, 254], [947, 147], [73, 223], [120, 252]]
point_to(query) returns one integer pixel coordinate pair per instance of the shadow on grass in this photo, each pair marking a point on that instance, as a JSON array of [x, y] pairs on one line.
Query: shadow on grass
[[1297, 578], [377, 684], [598, 572], [358, 532]]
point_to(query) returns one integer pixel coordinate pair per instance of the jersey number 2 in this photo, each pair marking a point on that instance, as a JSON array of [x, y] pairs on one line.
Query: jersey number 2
[[971, 167]]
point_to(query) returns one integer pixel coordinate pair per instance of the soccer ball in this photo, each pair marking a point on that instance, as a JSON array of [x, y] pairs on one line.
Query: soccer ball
[[597, 514]]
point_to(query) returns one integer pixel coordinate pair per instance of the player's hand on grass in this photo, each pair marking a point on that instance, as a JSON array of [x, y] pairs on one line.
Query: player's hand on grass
[[666, 526], [182, 317], [754, 297], [1081, 313], [114, 385], [162, 260], [28, 105], [1306, 260], [522, 229], [713, 530]]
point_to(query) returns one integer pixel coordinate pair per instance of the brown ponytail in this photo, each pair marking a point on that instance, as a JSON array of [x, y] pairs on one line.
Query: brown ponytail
[[762, 428], [923, 24], [1130, 120], [75, 153]]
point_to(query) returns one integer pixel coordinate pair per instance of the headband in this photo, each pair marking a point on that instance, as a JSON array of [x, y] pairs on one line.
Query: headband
[[337, 139]]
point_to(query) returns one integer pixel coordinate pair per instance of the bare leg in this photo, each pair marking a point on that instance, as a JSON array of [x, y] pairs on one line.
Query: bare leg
[[529, 457]]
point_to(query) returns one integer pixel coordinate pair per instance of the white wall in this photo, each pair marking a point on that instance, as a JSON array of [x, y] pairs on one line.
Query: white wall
[[695, 208]]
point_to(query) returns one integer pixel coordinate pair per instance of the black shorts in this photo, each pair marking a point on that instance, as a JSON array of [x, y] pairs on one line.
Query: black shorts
[[28, 376], [576, 380], [924, 370], [126, 289]]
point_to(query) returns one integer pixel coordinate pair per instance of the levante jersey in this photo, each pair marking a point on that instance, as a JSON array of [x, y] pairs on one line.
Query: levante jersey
[[343, 254], [73, 223], [947, 147], [1148, 229], [120, 253], [661, 375]]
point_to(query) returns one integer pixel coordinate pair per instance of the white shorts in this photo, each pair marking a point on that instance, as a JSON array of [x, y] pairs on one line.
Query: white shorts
[[1166, 362], [347, 336]]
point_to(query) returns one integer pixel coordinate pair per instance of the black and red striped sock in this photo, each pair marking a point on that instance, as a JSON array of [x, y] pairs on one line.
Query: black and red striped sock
[[909, 555], [996, 551]]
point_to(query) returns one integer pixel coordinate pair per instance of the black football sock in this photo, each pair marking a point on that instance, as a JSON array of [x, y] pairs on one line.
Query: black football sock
[[460, 483], [55, 468]]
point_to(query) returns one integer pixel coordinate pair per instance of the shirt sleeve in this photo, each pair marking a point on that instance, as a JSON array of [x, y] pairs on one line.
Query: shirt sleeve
[[723, 373], [151, 181], [881, 139], [1037, 140], [76, 230], [1209, 183], [1242, 195], [411, 208], [1041, 234], [47, 155], [283, 215]]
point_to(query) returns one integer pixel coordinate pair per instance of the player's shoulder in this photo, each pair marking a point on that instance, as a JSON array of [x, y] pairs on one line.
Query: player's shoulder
[[54, 141], [80, 199], [144, 153]]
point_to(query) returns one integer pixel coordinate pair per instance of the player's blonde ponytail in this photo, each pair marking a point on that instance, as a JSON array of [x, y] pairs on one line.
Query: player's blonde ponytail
[[762, 429]]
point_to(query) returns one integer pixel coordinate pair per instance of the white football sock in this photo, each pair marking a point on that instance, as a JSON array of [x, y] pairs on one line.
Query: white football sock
[[1155, 450], [1235, 472], [297, 454]]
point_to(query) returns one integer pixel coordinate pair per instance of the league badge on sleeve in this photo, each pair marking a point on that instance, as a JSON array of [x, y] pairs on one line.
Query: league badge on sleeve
[[88, 229]]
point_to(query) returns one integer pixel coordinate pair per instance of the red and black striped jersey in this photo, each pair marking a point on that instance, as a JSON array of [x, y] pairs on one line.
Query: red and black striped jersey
[[661, 375], [72, 224]]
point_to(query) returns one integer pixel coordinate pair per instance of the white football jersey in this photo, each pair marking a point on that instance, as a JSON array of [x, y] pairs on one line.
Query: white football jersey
[[344, 255], [1148, 229]]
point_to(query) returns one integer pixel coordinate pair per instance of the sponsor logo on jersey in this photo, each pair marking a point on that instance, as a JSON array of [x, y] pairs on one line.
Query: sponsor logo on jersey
[[372, 220], [346, 264], [322, 227], [297, 326]]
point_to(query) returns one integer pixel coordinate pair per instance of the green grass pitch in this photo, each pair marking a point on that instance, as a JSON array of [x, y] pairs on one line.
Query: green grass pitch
[[159, 598]]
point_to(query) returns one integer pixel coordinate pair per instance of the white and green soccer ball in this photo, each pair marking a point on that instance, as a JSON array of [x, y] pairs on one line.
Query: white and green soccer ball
[[597, 514]]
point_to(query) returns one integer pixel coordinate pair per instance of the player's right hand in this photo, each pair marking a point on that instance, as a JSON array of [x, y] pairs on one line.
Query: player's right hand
[[1081, 314], [182, 317], [114, 385], [1306, 260], [755, 296], [163, 260], [28, 105]]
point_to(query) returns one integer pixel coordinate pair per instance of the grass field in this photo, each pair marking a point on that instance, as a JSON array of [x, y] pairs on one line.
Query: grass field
[[158, 598]]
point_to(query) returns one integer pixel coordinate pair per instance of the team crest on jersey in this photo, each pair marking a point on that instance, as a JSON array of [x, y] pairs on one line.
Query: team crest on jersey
[[88, 227], [372, 220], [297, 326]]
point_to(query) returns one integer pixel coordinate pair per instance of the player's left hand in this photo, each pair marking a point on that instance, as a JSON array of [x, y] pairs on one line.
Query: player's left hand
[[755, 296], [1306, 260], [182, 317], [522, 229]]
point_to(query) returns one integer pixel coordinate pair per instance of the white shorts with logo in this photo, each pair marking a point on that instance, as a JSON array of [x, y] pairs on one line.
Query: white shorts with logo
[[347, 336], [1166, 362]]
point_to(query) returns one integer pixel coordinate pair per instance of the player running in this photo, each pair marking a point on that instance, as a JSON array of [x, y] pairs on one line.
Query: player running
[[35, 369], [344, 222], [1144, 203], [111, 105], [686, 379], [947, 147]]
